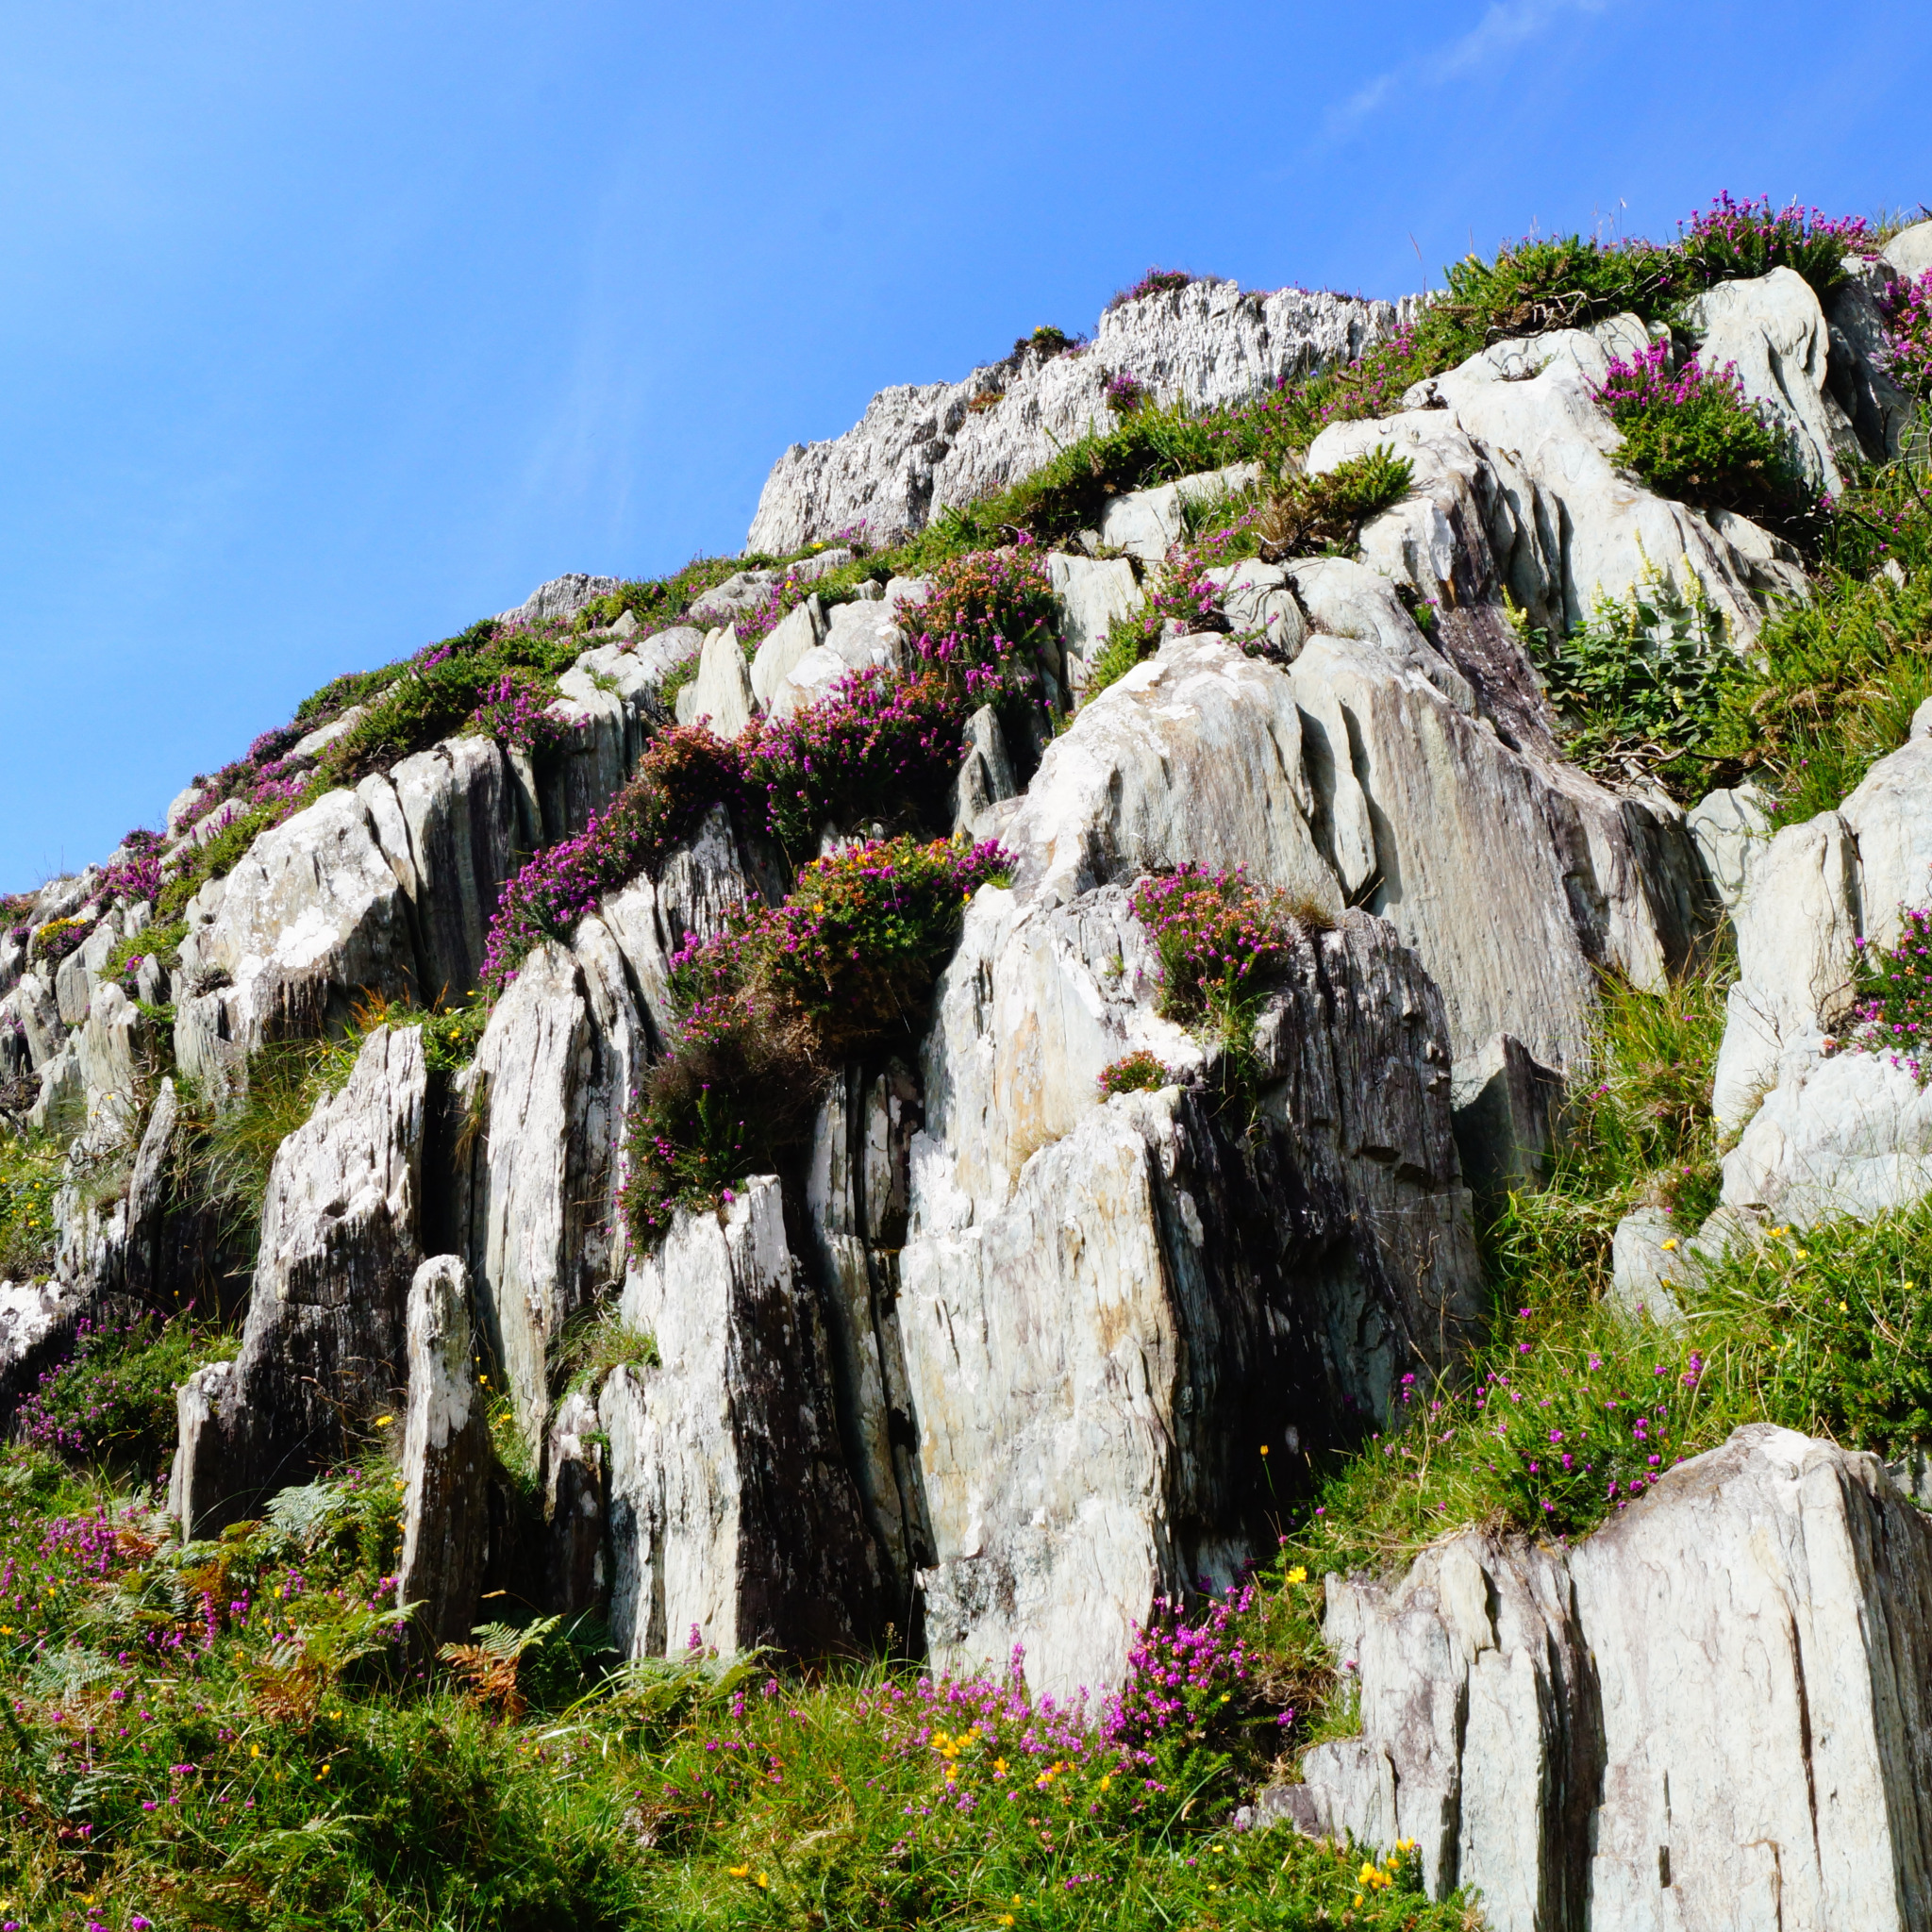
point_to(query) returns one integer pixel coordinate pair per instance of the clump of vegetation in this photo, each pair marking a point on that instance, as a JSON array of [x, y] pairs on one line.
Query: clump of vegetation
[[989, 623], [1692, 436], [1642, 684], [30, 1167], [780, 997], [1891, 1017], [1156, 281], [1137, 1073], [1308, 515], [1220, 938]]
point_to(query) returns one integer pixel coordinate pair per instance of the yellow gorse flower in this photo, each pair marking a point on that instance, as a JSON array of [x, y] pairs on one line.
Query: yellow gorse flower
[[1299, 1573]]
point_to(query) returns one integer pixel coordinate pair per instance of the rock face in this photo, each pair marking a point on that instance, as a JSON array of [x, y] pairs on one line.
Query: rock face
[[1848, 1134], [447, 1457], [1707, 1715], [920, 447], [732, 1512], [323, 1348]]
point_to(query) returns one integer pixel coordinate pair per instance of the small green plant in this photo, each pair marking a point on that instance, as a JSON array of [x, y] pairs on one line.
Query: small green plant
[[1643, 682], [590, 1346], [1308, 515], [30, 1169], [1892, 1018], [1137, 1073]]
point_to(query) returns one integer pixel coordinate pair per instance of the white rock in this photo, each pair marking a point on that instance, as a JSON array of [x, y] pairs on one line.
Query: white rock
[[920, 447], [1147, 523], [1651, 1265], [1258, 600], [1702, 1716], [731, 1510], [731, 600], [1093, 595], [802, 632], [319, 741], [1910, 250], [447, 1457], [866, 635], [1730, 827], [986, 772], [1773, 329], [721, 694], [562, 596]]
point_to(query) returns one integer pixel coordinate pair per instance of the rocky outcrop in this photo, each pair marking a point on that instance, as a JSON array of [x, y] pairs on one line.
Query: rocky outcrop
[[920, 447], [1104, 1308], [734, 1521], [1707, 1715], [1822, 1134], [323, 1348], [447, 1457]]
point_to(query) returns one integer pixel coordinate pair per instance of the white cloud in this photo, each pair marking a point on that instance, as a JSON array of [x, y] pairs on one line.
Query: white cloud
[[1507, 24]]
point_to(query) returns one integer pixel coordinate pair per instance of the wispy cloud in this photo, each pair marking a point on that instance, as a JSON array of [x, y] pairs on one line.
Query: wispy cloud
[[1506, 25]]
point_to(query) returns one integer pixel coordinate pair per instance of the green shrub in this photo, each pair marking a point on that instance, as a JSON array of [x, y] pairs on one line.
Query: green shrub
[[1642, 684], [1891, 1017], [594, 1344], [1308, 515], [988, 623], [1137, 1073]]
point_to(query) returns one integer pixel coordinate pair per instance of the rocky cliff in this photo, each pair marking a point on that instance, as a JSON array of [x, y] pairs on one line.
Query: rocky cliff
[[914, 1095]]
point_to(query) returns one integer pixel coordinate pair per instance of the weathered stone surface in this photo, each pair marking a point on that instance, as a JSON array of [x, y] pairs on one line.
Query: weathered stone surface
[[1092, 594], [1772, 331], [1258, 600], [920, 447], [323, 1349], [574, 1571], [1729, 827], [1098, 1299], [721, 694], [789, 640], [741, 592], [731, 1510], [1651, 1265], [986, 774], [1861, 382], [37, 1320], [1506, 1117], [1704, 1716], [1147, 523], [1909, 252], [562, 596], [447, 1457]]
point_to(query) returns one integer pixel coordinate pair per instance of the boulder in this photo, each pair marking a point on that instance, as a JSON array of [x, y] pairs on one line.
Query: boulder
[[865, 635], [721, 694], [1729, 828], [1092, 594], [1860, 374], [1651, 1265], [789, 640], [739, 594], [920, 447], [732, 1515], [447, 1457], [1148, 523], [323, 1347], [1506, 1117], [1772, 331], [1909, 252], [1705, 1715]]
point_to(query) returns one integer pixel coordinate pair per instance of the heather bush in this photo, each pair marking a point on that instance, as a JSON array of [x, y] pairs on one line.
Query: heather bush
[[1907, 307], [1219, 938], [513, 711], [1891, 1014], [1136, 1073], [988, 624], [1125, 392], [1735, 240], [1692, 436], [1156, 281], [781, 996], [112, 1400]]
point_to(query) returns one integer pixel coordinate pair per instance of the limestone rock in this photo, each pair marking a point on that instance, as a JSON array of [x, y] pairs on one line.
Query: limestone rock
[[789, 640], [1093, 595], [574, 1508], [738, 594], [37, 1321], [920, 447], [1703, 1716], [1773, 331], [562, 596], [1258, 601], [732, 1513], [1909, 252], [1651, 1265], [721, 694], [986, 772], [1147, 523], [447, 1457], [323, 1350], [1729, 827]]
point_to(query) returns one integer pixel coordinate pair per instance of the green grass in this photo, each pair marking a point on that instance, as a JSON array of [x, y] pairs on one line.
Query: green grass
[[30, 1165]]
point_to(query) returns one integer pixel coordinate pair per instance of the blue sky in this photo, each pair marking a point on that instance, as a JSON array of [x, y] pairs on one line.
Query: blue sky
[[327, 329]]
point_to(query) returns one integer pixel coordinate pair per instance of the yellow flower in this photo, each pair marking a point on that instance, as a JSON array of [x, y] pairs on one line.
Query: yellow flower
[[999, 1767], [738, 1871], [764, 1883], [1842, 1310], [1366, 1876], [1669, 1247], [1299, 1573], [382, 1422], [255, 1750], [1264, 1448], [1107, 1780]]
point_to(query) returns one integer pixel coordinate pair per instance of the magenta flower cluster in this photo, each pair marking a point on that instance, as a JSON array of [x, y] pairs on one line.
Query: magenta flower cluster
[[1645, 381], [1218, 936], [1125, 392], [514, 710], [137, 873], [1183, 1677], [1907, 309], [1891, 1017], [988, 620]]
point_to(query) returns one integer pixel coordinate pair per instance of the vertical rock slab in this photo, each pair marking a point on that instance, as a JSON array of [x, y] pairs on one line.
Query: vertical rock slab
[[323, 1349], [1711, 1714], [447, 1457], [732, 1509]]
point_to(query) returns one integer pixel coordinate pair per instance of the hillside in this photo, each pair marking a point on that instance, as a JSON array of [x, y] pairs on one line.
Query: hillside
[[1174, 1170]]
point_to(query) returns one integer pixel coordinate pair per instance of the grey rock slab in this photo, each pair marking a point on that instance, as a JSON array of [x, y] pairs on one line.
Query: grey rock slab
[[1702, 1716], [732, 1512], [866, 635], [562, 596], [37, 1321], [986, 774], [789, 641], [1507, 1106], [575, 1570], [1258, 601], [1729, 826], [721, 694], [447, 1457], [1860, 374], [1651, 1266], [317, 741], [729, 601], [324, 1345], [1147, 523], [1772, 331], [1092, 594]]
